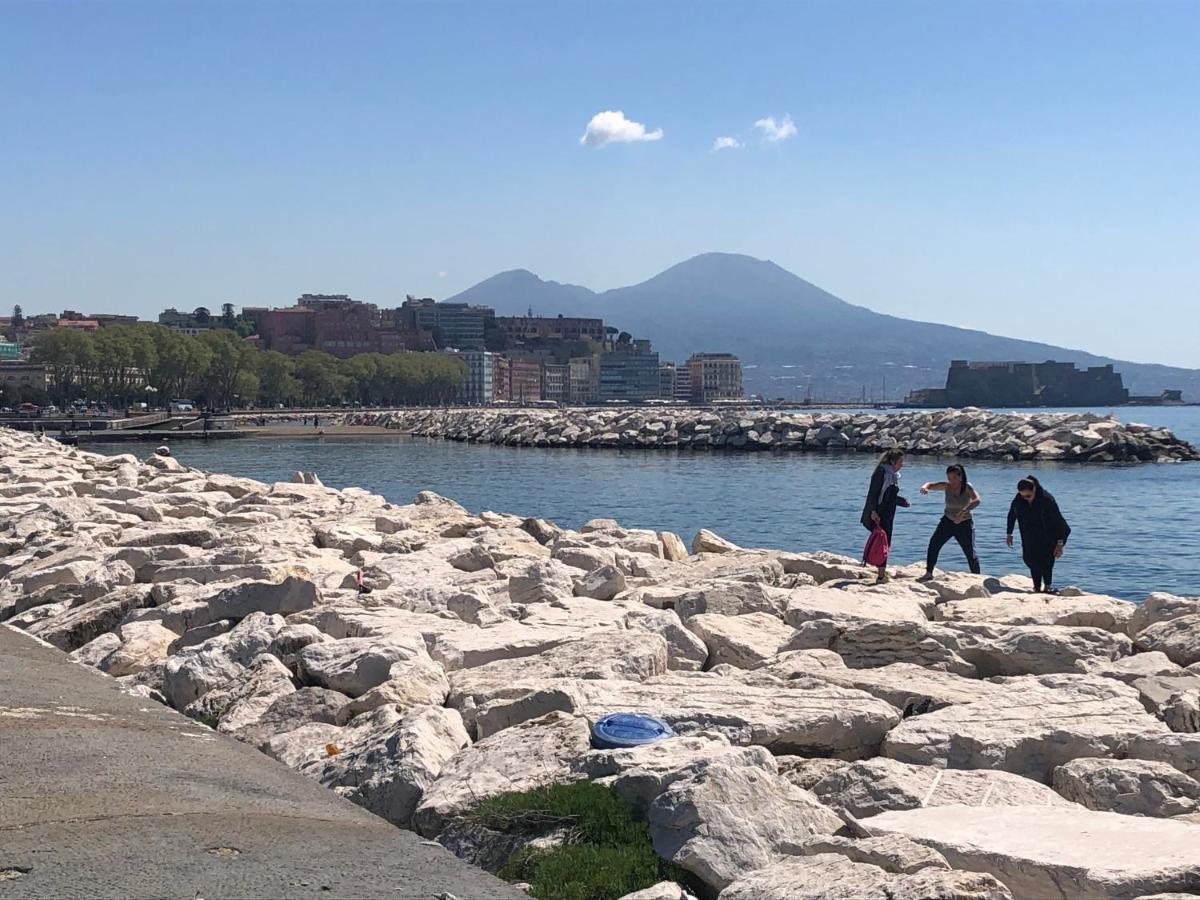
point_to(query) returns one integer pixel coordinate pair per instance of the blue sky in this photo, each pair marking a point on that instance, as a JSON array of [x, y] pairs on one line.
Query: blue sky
[[1025, 168]]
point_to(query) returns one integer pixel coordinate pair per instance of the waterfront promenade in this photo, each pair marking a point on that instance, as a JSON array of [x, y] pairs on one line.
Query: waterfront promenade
[[103, 794]]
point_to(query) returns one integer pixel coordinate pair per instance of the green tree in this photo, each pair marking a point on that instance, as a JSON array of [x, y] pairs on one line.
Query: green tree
[[228, 319], [277, 378], [180, 363], [231, 357], [202, 315], [70, 360], [320, 381], [18, 317]]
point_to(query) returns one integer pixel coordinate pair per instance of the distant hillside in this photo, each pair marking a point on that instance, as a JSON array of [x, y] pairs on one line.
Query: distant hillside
[[790, 334]]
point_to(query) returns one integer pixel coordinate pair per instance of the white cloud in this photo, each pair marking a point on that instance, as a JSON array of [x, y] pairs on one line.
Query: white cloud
[[443, 273], [726, 142], [611, 127], [774, 132]]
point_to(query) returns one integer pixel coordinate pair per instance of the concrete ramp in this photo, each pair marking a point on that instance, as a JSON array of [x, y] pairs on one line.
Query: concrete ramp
[[106, 795]]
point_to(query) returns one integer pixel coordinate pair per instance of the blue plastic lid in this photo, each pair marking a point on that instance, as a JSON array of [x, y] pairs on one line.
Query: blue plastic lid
[[629, 730]]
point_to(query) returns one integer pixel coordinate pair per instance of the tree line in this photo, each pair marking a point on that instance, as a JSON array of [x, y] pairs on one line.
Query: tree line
[[218, 369]]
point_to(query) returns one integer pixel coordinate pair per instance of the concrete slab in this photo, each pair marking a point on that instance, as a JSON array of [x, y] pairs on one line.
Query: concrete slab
[[106, 795]]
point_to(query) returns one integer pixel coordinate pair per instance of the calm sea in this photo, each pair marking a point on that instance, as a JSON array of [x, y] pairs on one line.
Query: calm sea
[[1134, 527]]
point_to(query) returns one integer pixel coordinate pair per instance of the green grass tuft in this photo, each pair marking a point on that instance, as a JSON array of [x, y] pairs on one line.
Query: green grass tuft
[[607, 854]]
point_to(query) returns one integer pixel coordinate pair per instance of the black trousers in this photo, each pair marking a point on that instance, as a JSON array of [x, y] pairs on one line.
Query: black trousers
[[1040, 559], [963, 532]]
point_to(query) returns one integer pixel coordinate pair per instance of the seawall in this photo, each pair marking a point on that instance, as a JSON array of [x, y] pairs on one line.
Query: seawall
[[971, 433]]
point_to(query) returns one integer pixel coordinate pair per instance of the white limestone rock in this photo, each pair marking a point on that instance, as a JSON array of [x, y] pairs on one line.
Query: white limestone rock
[[673, 547], [885, 603], [664, 890], [541, 582], [718, 597], [304, 706], [727, 820], [707, 541], [829, 876], [533, 754], [1134, 787], [603, 583], [910, 688], [355, 665], [142, 644], [1059, 851], [640, 774], [1033, 726], [874, 786], [743, 641], [1036, 649], [1085, 611], [811, 719], [892, 853], [1178, 638], [685, 651], [1160, 607], [243, 704], [388, 768]]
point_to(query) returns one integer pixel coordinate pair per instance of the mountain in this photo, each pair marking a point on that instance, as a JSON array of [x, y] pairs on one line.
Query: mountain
[[790, 334]]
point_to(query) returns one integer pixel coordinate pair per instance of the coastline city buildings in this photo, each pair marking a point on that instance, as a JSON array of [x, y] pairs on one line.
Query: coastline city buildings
[[563, 360]]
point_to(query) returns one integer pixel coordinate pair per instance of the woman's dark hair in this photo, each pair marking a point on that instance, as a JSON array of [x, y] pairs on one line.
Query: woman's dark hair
[[962, 473], [889, 457], [1027, 484]]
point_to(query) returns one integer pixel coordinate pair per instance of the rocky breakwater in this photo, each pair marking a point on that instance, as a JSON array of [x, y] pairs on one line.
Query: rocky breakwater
[[963, 738], [967, 433]]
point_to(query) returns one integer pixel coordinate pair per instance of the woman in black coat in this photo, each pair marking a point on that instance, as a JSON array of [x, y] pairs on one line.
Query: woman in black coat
[[883, 496], [1044, 531]]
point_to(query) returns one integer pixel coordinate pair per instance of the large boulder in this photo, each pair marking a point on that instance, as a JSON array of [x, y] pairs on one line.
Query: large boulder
[[389, 766], [291, 595], [870, 644], [1037, 649], [142, 644], [603, 583], [305, 706], [1033, 726], [727, 820], [685, 651], [1084, 611], [1160, 607], [829, 876], [542, 581], [809, 718], [907, 687], [874, 786], [533, 754], [355, 665], [890, 852], [640, 774], [707, 541], [741, 641], [882, 603], [245, 701], [1057, 851], [1178, 638], [1173, 698], [1135, 787], [79, 625]]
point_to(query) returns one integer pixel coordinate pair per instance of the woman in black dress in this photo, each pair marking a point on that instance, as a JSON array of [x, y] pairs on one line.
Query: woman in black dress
[[883, 497], [1044, 531]]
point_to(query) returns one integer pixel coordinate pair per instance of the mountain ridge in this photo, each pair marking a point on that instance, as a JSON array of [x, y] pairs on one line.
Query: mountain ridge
[[791, 335]]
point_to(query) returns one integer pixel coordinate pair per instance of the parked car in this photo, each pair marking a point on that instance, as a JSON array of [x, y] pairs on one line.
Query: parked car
[[28, 410]]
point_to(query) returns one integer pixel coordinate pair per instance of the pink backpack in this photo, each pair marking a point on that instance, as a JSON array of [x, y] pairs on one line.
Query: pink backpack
[[875, 553]]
